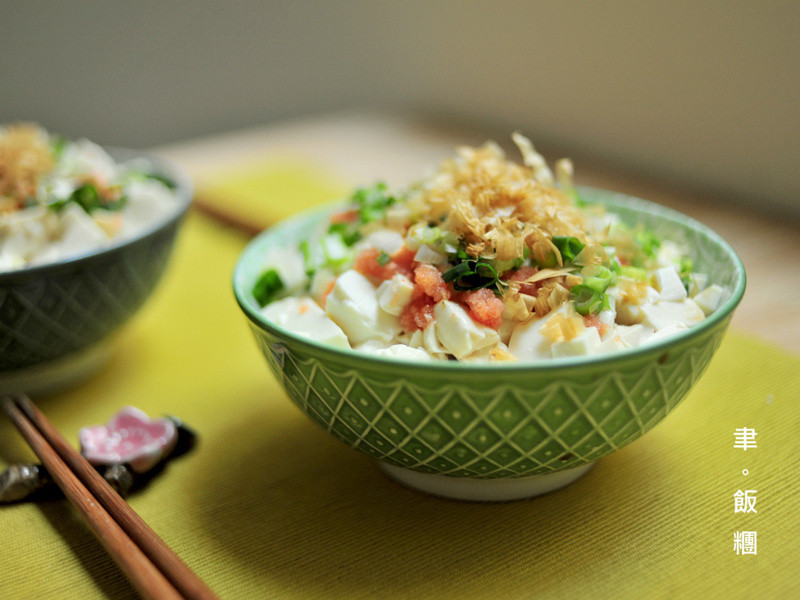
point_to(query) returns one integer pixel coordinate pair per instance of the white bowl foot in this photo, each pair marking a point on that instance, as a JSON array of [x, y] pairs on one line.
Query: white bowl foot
[[485, 490]]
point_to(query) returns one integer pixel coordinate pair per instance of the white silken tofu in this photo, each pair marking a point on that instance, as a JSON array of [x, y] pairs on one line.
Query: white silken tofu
[[394, 294], [458, 333], [384, 240], [634, 335], [79, 234], [668, 254], [403, 352], [699, 281], [25, 233], [353, 306], [612, 343], [710, 298], [288, 263], [582, 344], [527, 341], [629, 313], [669, 285], [665, 333], [152, 204], [663, 314], [426, 254], [306, 318], [609, 315]]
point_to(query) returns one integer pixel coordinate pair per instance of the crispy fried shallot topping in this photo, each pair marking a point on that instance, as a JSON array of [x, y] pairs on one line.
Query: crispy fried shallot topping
[[25, 155]]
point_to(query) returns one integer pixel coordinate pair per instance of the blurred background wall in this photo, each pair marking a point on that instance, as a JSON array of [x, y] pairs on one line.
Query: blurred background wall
[[699, 93]]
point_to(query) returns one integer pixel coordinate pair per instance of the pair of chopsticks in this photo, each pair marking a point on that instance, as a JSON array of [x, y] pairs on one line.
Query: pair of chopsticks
[[151, 566]]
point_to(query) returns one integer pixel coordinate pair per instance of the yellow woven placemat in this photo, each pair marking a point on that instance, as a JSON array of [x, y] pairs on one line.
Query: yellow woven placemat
[[269, 506]]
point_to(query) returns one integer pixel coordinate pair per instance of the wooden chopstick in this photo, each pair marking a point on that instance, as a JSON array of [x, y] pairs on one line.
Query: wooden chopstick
[[151, 566], [230, 219]]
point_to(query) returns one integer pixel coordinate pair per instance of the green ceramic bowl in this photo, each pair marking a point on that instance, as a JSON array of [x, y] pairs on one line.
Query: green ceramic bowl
[[55, 318], [503, 430]]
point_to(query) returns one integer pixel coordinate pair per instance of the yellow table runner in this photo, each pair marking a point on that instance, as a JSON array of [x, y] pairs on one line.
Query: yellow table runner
[[269, 506]]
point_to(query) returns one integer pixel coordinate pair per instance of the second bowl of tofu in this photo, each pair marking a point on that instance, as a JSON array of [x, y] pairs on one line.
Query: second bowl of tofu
[[66, 285]]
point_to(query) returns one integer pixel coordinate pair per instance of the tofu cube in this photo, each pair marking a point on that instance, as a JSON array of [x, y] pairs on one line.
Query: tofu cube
[[634, 335], [665, 333], [458, 333], [384, 240], [305, 318], [403, 352], [629, 313], [612, 343], [394, 294], [663, 314], [527, 342], [710, 298], [428, 255], [353, 306], [699, 281], [581, 345], [668, 283], [80, 233]]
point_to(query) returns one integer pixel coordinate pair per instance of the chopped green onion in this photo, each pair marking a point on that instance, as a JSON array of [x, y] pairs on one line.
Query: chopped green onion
[[576, 198], [471, 275], [685, 272], [268, 285], [348, 232], [86, 196], [589, 296], [309, 261], [648, 242], [57, 144], [502, 266], [568, 246], [461, 269], [383, 259], [587, 299], [373, 202], [165, 181], [117, 204], [633, 273], [596, 283]]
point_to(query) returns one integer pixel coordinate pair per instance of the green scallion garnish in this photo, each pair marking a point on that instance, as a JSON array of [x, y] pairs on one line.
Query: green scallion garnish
[[568, 246], [471, 275], [268, 285]]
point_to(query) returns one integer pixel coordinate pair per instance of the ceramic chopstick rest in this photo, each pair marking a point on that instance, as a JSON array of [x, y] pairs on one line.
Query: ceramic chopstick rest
[[128, 451]]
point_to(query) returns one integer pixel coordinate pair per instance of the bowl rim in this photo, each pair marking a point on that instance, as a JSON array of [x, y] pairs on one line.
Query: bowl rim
[[184, 191], [606, 197]]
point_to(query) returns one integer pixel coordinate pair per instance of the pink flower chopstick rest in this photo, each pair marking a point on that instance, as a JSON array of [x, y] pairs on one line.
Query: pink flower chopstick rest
[[129, 437]]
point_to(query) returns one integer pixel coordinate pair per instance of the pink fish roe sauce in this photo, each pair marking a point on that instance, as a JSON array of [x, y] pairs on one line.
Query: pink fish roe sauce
[[483, 306]]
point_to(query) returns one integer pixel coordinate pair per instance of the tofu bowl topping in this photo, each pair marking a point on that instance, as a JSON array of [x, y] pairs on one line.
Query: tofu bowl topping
[[61, 198], [489, 332], [486, 260]]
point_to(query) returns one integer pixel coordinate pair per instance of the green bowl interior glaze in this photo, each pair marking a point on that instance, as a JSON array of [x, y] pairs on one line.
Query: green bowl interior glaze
[[500, 420]]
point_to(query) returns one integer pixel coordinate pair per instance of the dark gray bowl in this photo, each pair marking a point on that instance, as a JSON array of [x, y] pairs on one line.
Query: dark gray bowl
[[51, 314]]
